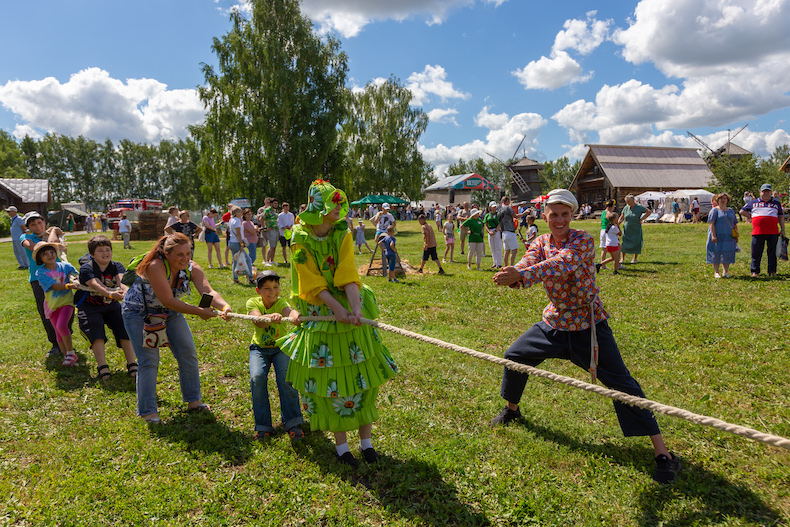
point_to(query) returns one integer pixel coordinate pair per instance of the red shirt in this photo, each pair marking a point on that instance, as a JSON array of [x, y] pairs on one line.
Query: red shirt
[[226, 217], [765, 215]]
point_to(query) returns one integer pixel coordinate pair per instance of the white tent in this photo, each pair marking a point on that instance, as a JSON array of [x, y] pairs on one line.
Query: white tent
[[686, 196], [651, 194]]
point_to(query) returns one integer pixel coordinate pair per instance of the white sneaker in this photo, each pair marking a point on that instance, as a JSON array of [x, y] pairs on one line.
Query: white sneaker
[[727, 275], [716, 275]]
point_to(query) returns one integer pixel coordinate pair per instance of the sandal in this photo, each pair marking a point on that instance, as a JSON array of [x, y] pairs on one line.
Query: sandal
[[296, 433], [131, 370], [70, 360], [103, 376]]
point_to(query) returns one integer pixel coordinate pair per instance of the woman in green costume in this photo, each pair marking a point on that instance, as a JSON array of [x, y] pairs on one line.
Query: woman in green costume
[[336, 366], [631, 219]]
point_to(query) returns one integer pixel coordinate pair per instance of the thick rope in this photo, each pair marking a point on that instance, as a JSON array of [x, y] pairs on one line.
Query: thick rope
[[630, 400]]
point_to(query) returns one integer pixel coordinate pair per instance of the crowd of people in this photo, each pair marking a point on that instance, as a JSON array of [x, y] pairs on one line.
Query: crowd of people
[[336, 368]]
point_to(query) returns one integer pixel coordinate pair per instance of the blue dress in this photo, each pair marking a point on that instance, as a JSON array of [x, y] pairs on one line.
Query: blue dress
[[722, 251]]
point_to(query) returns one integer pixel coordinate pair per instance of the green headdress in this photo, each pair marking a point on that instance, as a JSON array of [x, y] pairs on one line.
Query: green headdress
[[322, 198]]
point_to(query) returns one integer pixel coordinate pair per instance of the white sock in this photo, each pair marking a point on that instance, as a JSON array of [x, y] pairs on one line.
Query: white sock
[[364, 444], [342, 449]]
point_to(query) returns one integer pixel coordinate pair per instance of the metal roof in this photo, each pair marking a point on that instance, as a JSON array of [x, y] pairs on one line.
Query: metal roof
[[457, 182], [30, 190], [651, 167], [526, 162]]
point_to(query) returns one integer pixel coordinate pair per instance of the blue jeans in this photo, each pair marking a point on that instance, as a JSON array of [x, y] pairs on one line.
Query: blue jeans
[[234, 248], [261, 360], [181, 345], [253, 250]]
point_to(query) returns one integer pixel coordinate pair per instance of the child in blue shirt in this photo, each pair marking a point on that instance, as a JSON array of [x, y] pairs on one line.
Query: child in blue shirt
[[264, 353], [388, 246]]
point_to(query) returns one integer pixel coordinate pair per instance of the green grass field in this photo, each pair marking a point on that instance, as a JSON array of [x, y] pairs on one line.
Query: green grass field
[[72, 451]]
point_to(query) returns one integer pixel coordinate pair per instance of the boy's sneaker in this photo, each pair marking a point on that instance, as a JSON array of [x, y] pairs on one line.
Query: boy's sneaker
[[54, 352], [506, 416], [441, 271], [263, 436], [667, 469], [296, 433]]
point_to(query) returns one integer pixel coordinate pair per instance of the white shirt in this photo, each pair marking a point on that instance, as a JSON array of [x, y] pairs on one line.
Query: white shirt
[[385, 220], [285, 220], [124, 226], [611, 236], [235, 227]]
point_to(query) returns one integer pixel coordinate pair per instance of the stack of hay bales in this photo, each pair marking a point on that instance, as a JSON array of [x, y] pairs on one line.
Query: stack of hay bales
[[152, 225]]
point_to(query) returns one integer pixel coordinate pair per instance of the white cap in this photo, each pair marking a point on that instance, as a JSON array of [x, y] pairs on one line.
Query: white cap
[[386, 206], [493, 204], [560, 195]]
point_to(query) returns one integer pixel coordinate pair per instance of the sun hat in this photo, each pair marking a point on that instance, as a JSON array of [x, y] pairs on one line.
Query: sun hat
[[565, 197], [41, 246], [12, 209], [766, 186], [321, 199], [473, 213], [386, 206]]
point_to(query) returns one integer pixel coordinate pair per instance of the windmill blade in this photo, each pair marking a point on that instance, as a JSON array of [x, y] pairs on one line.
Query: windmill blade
[[519, 146], [701, 142], [739, 131]]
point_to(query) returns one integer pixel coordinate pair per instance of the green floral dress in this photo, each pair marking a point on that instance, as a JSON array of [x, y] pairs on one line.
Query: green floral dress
[[337, 368]]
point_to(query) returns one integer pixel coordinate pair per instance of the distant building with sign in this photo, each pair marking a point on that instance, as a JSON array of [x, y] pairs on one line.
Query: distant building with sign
[[457, 189]]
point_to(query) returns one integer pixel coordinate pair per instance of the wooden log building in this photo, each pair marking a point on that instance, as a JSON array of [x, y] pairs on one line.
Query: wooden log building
[[614, 171]]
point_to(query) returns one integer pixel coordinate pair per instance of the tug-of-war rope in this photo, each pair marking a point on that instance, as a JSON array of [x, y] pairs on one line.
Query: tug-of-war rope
[[570, 381]]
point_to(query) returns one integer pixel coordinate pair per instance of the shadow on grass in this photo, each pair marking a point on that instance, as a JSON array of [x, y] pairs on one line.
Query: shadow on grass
[[83, 375], [411, 488], [719, 497], [203, 433]]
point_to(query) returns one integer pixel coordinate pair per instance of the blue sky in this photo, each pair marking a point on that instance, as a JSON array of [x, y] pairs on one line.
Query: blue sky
[[487, 72]]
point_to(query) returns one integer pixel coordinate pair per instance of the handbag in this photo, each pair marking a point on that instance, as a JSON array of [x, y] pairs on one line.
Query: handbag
[[733, 230], [155, 331], [781, 248]]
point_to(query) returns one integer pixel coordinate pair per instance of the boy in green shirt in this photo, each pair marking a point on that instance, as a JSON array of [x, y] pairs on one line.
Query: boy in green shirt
[[264, 353]]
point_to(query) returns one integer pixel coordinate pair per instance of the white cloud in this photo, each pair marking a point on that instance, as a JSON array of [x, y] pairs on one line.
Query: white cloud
[[504, 135], [560, 69], [432, 81], [730, 57], [97, 106], [550, 73], [440, 115], [349, 17]]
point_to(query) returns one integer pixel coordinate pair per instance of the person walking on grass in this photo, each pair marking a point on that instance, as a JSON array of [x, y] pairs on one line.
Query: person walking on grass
[[17, 230], [768, 222], [563, 261], [359, 236], [474, 226], [264, 353], [428, 244], [494, 235], [611, 243], [339, 366], [631, 219], [608, 207], [449, 237], [508, 227], [722, 236]]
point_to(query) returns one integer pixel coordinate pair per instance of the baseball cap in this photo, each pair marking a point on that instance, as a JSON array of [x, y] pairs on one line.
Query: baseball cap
[[766, 186], [386, 206], [266, 275], [32, 216], [12, 209]]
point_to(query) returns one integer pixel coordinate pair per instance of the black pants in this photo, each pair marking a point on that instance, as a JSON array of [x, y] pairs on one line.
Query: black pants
[[541, 342], [759, 242], [38, 293]]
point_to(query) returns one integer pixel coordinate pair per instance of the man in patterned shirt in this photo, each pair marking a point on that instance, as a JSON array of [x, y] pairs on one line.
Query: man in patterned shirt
[[563, 261]]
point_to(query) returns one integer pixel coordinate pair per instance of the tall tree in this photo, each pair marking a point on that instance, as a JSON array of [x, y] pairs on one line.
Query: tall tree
[[273, 107], [12, 163], [735, 176], [559, 173], [29, 148], [381, 134]]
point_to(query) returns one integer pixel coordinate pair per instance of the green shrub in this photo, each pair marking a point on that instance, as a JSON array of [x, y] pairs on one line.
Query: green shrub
[[5, 224]]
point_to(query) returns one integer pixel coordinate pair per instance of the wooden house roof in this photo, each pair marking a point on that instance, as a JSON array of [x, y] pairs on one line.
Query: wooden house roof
[[28, 190], [786, 165], [646, 167], [731, 149], [526, 162]]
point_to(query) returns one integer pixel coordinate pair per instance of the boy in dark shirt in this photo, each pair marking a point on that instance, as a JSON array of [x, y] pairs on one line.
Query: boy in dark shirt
[[102, 306]]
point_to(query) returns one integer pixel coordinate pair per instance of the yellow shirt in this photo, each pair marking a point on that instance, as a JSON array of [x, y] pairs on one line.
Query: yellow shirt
[[266, 337]]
